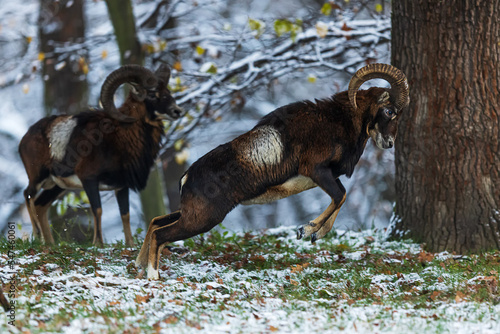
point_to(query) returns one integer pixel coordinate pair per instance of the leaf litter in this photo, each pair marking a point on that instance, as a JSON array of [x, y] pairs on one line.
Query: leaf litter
[[261, 282]]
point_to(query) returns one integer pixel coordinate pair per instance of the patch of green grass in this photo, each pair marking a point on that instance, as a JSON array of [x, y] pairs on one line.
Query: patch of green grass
[[19, 244], [221, 273]]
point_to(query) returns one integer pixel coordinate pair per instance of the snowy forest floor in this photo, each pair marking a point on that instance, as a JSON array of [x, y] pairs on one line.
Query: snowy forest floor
[[254, 282]]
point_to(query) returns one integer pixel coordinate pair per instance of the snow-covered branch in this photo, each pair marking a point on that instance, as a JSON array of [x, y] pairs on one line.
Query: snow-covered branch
[[217, 82]]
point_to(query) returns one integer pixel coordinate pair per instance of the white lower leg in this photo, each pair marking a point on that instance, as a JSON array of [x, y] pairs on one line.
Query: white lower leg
[[153, 274]]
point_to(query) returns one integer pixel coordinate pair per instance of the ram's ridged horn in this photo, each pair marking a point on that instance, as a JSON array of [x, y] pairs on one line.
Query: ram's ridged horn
[[142, 78], [400, 92]]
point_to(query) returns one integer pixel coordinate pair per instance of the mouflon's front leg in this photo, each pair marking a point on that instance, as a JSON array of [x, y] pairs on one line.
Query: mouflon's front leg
[[318, 227]]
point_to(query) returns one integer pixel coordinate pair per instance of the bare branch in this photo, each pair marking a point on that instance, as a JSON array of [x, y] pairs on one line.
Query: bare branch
[[281, 57]]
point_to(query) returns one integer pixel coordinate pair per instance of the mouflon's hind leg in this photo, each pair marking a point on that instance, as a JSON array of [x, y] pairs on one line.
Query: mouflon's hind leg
[[201, 217], [29, 195], [157, 222], [199, 214], [42, 205], [161, 236], [37, 209]]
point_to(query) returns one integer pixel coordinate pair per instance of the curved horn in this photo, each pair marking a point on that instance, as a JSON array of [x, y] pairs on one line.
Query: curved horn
[[400, 92], [141, 76], [163, 73]]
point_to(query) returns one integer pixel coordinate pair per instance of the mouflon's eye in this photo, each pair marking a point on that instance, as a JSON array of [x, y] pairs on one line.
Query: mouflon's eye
[[389, 113]]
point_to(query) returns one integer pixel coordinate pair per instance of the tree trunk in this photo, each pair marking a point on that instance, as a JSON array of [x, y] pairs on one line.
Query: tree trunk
[[65, 84], [65, 81], [448, 149], [122, 18]]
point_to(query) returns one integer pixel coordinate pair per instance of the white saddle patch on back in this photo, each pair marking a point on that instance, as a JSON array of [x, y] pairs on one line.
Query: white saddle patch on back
[[265, 147], [59, 136]]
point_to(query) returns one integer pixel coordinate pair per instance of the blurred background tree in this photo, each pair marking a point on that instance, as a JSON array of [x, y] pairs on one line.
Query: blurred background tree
[[65, 83], [131, 52]]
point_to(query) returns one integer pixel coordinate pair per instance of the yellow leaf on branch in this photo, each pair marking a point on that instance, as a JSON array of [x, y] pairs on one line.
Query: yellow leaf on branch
[[199, 50], [311, 78], [321, 29], [177, 66]]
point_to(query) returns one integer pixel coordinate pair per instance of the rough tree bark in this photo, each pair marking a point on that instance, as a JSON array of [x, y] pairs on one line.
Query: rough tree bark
[[448, 150]]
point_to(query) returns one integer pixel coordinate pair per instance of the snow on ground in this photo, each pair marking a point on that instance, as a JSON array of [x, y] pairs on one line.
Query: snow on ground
[[211, 297]]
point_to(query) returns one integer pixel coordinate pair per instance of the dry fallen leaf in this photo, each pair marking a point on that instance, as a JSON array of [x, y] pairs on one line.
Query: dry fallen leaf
[[193, 324], [297, 269], [172, 319], [423, 256], [126, 253], [346, 28], [370, 239], [435, 294], [460, 296], [143, 299]]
